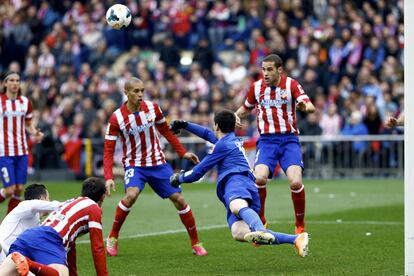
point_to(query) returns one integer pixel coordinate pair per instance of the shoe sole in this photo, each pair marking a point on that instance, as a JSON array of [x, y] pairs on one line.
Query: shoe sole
[[305, 246], [21, 266], [259, 237]]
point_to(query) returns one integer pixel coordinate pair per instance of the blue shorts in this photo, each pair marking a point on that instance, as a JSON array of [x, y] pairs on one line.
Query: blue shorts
[[239, 186], [282, 148], [41, 244], [158, 177], [13, 169]]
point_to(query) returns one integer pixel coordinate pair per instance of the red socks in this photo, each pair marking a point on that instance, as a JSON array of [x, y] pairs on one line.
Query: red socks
[[13, 202], [187, 218], [121, 213], [2, 195], [41, 269], [298, 198], [262, 193]]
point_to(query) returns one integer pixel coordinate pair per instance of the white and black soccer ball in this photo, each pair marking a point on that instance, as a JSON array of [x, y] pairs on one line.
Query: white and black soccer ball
[[118, 16]]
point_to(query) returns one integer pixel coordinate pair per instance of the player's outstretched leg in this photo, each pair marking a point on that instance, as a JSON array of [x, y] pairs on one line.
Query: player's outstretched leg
[[259, 235], [252, 219], [187, 218], [300, 242], [122, 211]]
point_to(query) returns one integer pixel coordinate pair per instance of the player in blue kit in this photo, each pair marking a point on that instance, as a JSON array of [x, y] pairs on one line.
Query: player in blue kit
[[235, 183]]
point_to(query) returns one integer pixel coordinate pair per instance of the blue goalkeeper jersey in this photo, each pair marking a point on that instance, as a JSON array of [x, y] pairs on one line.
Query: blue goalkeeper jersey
[[228, 154]]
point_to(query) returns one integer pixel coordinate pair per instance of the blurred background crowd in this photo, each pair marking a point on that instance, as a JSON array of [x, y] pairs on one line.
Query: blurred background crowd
[[198, 56]]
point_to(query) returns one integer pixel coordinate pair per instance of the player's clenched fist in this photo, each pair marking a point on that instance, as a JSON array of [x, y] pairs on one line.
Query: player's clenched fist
[[177, 125], [175, 179]]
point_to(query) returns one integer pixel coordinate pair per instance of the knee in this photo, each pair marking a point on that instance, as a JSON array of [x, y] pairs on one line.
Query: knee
[[131, 196], [238, 234], [295, 184], [261, 172], [261, 181], [236, 205]]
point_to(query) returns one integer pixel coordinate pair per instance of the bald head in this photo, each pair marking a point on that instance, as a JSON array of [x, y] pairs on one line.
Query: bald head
[[129, 84]]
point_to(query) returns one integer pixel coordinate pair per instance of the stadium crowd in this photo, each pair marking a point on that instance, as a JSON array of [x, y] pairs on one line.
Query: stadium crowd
[[198, 56]]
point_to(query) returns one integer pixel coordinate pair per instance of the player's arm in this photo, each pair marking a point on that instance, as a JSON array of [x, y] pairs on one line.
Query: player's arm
[[195, 129], [200, 170], [97, 244], [30, 127], [303, 102], [38, 205], [71, 258], [164, 129], [248, 104], [112, 133]]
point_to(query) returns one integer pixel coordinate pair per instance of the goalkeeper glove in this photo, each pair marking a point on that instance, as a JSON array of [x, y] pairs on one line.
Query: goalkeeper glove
[[176, 125], [175, 179]]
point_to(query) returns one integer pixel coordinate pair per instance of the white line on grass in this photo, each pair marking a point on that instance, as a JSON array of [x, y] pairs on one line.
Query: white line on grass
[[217, 226]]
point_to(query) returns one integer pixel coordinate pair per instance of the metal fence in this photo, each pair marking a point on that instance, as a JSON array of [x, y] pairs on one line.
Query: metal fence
[[353, 156], [323, 157]]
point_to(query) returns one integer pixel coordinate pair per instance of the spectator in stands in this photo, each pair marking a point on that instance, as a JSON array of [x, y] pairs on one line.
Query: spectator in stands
[[169, 53], [365, 42], [330, 122], [355, 126]]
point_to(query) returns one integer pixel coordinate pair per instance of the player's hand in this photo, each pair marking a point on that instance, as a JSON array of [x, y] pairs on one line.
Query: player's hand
[[176, 125], [391, 122], [301, 106], [109, 184], [191, 157], [38, 136], [175, 179]]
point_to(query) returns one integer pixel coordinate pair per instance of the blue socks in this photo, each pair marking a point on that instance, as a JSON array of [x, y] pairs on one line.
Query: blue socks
[[282, 237], [252, 219]]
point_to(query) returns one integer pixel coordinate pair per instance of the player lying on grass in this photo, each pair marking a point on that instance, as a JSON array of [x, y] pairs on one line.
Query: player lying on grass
[[50, 249], [25, 216], [235, 183]]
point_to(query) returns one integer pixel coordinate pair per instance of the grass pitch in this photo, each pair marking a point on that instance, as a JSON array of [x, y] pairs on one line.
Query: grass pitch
[[356, 228]]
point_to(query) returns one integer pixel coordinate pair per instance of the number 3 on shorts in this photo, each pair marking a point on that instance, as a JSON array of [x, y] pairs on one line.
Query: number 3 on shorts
[[128, 174], [5, 173]]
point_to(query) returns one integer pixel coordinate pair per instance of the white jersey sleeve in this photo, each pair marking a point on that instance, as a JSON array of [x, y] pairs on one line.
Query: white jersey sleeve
[[24, 216]]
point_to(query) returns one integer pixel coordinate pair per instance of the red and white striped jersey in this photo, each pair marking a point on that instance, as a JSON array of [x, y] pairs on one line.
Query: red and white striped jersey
[[140, 142], [75, 217], [13, 117], [276, 106]]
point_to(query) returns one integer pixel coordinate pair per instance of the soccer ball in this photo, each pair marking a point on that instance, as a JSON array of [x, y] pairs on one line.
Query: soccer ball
[[118, 16]]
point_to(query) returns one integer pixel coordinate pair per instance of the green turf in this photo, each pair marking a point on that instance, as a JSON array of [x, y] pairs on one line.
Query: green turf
[[356, 228]]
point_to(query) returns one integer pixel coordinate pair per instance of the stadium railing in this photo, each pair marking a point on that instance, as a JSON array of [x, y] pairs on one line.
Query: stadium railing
[[323, 157], [344, 156]]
